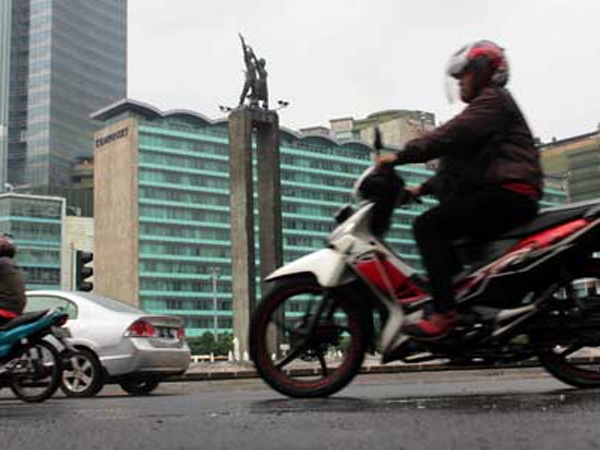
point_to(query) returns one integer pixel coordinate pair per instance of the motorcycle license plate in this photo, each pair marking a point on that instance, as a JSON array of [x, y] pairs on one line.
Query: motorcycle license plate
[[61, 332]]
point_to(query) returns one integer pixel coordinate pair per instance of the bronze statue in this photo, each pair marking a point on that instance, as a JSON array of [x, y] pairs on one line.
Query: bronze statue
[[250, 70], [260, 84], [255, 84]]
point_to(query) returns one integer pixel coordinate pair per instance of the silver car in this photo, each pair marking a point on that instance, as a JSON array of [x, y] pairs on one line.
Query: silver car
[[118, 343]]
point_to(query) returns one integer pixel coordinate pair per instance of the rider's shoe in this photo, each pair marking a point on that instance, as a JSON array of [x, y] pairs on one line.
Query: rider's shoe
[[434, 326]]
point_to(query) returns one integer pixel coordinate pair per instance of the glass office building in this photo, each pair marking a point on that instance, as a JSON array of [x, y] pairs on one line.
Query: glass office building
[[35, 223], [181, 190], [60, 60], [5, 19], [182, 193]]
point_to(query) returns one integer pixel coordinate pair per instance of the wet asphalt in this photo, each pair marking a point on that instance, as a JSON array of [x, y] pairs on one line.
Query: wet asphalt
[[502, 409]]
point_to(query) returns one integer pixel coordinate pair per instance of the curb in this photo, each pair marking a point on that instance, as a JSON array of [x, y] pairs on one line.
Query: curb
[[248, 373]]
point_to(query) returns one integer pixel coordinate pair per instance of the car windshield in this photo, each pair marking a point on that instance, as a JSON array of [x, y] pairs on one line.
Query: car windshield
[[110, 303]]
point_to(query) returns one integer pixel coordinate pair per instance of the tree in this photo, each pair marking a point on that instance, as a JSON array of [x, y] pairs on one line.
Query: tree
[[205, 344]]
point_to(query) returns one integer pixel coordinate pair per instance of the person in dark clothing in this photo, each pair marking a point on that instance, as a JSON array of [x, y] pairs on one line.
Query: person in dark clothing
[[12, 283], [489, 177]]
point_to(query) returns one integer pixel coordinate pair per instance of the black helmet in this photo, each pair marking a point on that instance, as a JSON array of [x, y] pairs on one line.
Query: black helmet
[[7, 248]]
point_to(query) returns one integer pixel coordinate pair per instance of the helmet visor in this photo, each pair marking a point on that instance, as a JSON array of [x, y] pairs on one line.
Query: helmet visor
[[452, 89], [458, 62], [454, 69]]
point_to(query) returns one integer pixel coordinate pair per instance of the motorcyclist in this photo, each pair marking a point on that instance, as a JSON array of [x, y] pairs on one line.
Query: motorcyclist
[[12, 283], [488, 180]]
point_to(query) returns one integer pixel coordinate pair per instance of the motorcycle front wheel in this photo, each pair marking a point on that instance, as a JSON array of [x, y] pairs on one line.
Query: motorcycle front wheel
[[305, 340], [36, 374]]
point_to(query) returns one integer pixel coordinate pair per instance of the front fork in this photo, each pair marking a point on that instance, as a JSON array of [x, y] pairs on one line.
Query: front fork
[[326, 309], [372, 298], [368, 301]]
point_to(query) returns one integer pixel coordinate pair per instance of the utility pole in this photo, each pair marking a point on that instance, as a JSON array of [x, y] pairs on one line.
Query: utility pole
[[72, 267], [215, 272]]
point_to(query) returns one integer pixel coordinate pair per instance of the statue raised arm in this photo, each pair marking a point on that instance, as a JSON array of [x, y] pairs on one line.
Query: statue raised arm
[[250, 74]]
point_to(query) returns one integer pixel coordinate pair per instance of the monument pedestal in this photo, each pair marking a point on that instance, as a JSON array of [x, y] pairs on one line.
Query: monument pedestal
[[245, 122]]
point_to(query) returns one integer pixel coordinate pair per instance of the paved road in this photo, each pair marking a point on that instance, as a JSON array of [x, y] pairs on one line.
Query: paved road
[[512, 409]]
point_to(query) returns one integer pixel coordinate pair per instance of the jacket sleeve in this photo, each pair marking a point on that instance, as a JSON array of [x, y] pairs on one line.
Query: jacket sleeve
[[431, 185], [481, 120]]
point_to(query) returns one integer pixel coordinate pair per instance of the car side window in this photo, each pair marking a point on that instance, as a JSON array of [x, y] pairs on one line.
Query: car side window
[[40, 303]]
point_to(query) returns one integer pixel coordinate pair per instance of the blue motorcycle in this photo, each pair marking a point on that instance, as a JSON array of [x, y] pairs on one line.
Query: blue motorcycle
[[29, 364]]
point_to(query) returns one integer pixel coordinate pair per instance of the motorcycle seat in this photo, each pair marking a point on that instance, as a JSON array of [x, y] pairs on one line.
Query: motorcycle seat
[[23, 319], [475, 253], [554, 216], [546, 218]]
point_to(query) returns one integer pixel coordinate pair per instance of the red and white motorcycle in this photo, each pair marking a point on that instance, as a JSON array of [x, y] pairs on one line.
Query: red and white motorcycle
[[532, 292]]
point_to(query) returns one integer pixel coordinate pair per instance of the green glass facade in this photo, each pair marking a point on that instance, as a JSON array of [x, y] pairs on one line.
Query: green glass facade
[[183, 222], [553, 196], [35, 224], [183, 195]]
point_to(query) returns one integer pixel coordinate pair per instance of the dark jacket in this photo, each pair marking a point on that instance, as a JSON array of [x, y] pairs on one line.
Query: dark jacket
[[488, 143], [12, 286]]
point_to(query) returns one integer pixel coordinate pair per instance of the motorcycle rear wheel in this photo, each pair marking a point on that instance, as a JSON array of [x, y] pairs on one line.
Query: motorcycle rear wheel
[[577, 375], [295, 361], [37, 373], [572, 361]]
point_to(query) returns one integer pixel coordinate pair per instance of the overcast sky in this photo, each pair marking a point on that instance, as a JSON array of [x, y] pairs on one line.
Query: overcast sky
[[340, 58]]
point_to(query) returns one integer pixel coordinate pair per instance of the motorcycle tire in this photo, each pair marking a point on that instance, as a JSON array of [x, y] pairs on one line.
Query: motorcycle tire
[[582, 372], [40, 367], [300, 380], [568, 373]]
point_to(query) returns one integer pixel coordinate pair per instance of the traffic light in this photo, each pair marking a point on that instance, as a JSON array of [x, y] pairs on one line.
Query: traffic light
[[82, 272]]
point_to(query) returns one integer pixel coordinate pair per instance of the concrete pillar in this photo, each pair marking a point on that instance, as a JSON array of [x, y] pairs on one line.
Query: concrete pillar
[[269, 194], [243, 270], [243, 123]]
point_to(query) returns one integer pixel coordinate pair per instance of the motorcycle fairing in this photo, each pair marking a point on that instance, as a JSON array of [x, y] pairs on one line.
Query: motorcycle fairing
[[22, 319], [327, 265], [9, 337]]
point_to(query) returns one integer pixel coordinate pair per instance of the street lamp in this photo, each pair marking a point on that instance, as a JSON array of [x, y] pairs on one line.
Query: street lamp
[[215, 272], [282, 104]]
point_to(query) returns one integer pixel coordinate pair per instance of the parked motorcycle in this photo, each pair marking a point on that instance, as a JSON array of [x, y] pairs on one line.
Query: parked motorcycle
[[532, 292], [30, 364]]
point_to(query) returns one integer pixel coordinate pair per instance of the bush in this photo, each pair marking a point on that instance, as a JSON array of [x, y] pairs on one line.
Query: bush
[[205, 344]]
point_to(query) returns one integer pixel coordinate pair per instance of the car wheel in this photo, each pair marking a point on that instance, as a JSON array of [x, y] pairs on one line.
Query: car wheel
[[82, 376], [140, 386]]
